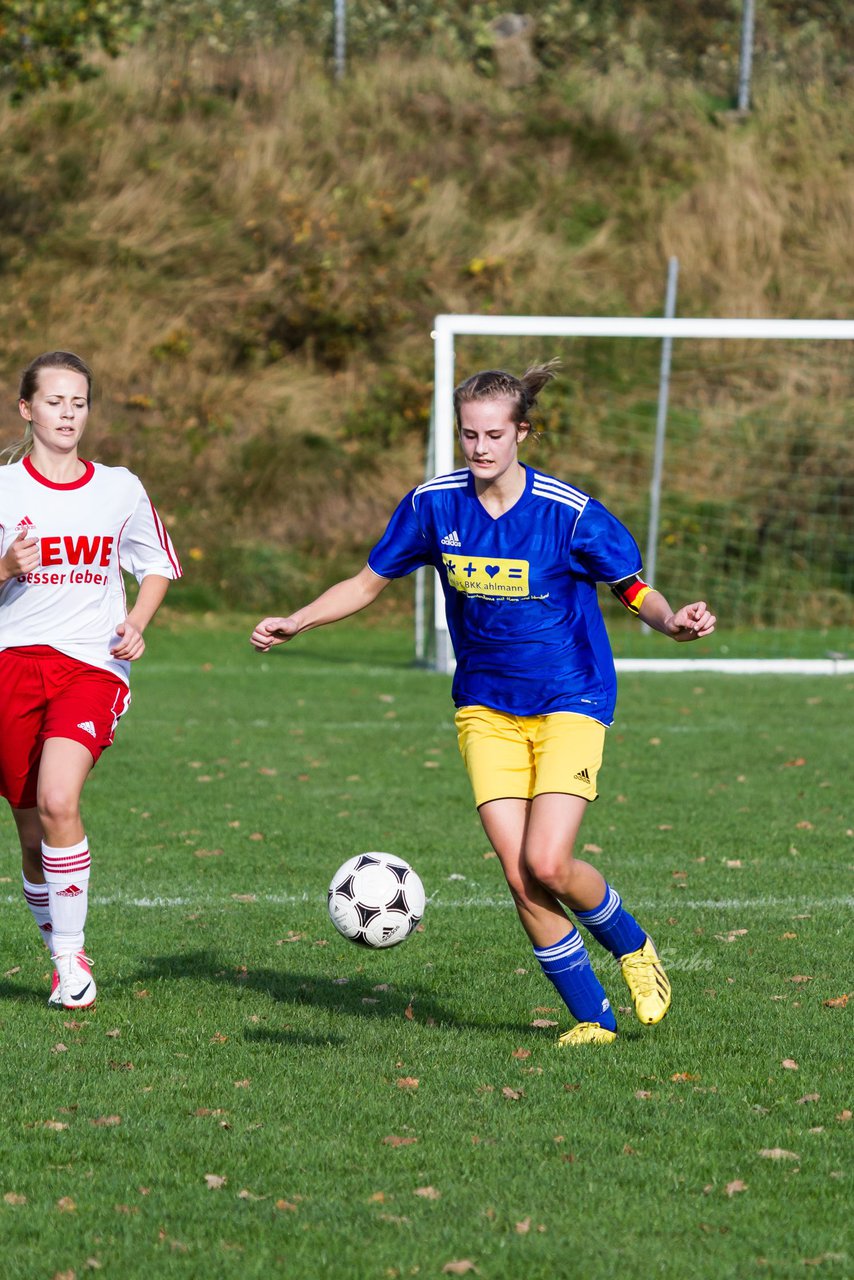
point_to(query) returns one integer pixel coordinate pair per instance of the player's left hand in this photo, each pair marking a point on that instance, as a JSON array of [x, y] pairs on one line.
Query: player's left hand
[[691, 622], [131, 644]]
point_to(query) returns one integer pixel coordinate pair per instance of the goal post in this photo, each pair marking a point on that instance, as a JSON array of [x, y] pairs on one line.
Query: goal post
[[441, 454]]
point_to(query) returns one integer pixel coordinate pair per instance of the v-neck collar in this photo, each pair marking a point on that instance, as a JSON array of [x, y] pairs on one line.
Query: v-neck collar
[[521, 501]]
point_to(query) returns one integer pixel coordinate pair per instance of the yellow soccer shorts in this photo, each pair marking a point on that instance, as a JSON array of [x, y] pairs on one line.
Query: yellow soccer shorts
[[521, 757]]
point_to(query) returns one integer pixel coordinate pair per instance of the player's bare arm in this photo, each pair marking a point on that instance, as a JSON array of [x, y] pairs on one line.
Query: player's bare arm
[[22, 557], [131, 646], [341, 601], [691, 622]]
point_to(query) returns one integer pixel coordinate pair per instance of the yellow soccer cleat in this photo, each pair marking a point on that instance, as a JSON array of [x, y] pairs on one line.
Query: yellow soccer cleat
[[648, 983], [587, 1033]]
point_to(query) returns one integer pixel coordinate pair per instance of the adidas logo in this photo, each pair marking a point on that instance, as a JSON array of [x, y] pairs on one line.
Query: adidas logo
[[582, 776], [451, 540], [24, 525], [87, 726], [71, 892]]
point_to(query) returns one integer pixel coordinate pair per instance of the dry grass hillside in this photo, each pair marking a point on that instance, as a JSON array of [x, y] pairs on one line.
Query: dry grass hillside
[[251, 256]]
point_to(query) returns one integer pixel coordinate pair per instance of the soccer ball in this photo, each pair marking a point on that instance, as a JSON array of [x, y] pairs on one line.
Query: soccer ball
[[376, 899]]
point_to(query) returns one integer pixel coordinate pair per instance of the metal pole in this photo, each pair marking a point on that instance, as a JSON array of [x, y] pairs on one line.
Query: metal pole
[[443, 462], [340, 38], [746, 58], [660, 428], [421, 646]]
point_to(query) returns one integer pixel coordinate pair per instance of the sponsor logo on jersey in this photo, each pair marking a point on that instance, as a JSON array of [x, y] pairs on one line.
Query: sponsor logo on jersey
[[88, 727], [481, 576], [451, 540], [77, 550], [25, 525]]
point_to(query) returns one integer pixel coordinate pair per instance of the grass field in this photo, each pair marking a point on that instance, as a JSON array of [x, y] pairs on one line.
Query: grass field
[[254, 1097]]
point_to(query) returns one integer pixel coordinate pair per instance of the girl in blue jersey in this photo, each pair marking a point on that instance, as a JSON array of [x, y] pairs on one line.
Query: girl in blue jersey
[[519, 555]]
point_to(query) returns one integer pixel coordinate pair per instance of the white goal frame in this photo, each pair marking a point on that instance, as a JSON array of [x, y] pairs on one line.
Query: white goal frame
[[441, 450]]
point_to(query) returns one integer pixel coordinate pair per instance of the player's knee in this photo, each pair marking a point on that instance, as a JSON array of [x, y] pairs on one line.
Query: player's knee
[[553, 870], [522, 889], [57, 804]]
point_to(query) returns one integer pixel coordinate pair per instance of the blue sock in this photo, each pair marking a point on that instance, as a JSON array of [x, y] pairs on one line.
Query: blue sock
[[568, 966], [612, 926]]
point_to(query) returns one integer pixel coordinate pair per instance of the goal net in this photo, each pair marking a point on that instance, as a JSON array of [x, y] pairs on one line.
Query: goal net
[[733, 467]]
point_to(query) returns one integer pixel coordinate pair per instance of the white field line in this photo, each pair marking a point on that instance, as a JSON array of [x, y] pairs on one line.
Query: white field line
[[474, 902]]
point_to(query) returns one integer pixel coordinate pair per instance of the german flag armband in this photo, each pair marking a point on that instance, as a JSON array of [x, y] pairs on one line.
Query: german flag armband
[[631, 592]]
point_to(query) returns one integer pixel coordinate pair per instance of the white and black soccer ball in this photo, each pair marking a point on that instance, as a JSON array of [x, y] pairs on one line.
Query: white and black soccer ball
[[376, 899]]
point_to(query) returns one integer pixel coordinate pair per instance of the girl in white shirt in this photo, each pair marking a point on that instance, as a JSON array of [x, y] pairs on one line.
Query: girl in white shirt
[[68, 530]]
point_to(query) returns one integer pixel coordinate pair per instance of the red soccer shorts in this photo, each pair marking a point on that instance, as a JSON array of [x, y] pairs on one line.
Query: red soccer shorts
[[44, 694]]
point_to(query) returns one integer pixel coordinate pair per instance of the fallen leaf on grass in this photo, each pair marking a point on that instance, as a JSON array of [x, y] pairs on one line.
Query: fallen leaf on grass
[[844, 1116], [731, 936], [106, 1120], [215, 1181], [12, 1197], [459, 1267], [810, 1097], [801, 977], [837, 1002], [55, 1124], [60, 1048], [521, 1054], [523, 1227], [114, 1034], [778, 1153], [407, 1082], [242, 1084], [683, 1075], [66, 1205], [790, 1064], [795, 764], [286, 1206], [394, 1140], [246, 1194], [591, 848], [543, 1022], [427, 1193], [732, 1188], [10, 973], [643, 1093], [512, 1095]]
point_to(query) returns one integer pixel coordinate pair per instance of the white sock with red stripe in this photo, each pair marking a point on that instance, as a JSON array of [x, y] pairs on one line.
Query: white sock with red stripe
[[38, 901], [67, 874]]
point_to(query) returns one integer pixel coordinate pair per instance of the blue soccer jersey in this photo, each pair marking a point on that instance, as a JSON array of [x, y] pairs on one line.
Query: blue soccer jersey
[[520, 590]]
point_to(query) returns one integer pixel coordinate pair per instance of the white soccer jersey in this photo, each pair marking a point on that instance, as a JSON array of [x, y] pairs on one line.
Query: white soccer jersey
[[89, 531]]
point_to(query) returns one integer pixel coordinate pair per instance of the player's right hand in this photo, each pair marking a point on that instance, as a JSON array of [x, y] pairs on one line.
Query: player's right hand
[[22, 557], [271, 631]]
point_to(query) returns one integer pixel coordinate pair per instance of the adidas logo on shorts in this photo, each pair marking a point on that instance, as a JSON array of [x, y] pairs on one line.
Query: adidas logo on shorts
[[582, 776], [88, 727]]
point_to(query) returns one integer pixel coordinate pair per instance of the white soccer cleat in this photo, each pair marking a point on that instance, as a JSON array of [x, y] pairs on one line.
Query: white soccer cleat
[[54, 1000], [76, 984]]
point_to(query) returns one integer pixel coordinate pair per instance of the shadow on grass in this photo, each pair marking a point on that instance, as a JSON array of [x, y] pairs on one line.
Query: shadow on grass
[[359, 997], [25, 993]]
